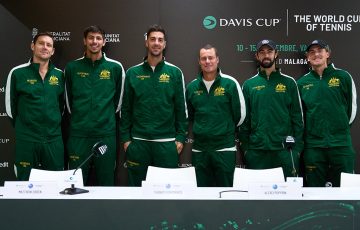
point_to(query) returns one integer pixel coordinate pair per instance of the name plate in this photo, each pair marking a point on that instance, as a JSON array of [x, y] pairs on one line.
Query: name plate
[[168, 190], [30, 189], [273, 190]]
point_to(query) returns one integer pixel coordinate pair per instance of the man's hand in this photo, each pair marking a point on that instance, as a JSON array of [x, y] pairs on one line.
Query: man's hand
[[126, 145], [179, 146]]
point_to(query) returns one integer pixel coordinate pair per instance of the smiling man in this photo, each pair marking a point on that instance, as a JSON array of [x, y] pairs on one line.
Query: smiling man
[[153, 114], [329, 100], [93, 97], [273, 113], [217, 109], [34, 101]]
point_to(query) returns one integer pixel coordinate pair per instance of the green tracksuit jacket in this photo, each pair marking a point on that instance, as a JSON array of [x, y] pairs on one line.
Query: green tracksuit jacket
[[35, 106], [215, 114], [273, 112], [154, 105], [93, 96], [329, 103]]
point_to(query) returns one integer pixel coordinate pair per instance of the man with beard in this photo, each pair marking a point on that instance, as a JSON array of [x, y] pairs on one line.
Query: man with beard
[[93, 97], [273, 112], [153, 113]]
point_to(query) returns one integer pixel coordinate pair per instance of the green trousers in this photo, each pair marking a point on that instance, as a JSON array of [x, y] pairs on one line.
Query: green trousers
[[79, 148], [324, 165], [266, 159], [46, 156], [141, 154], [214, 168]]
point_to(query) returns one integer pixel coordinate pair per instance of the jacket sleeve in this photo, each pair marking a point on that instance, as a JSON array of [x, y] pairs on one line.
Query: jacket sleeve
[[126, 111], [297, 120], [190, 107], [181, 111], [245, 127], [11, 97], [62, 95], [68, 92], [351, 98], [238, 105], [119, 87]]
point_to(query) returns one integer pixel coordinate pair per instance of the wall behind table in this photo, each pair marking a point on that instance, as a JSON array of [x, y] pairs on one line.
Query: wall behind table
[[239, 25]]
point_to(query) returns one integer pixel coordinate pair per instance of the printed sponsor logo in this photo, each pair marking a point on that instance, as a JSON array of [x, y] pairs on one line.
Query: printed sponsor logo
[[259, 87], [31, 81], [210, 22], [4, 164], [83, 74], [4, 140], [142, 77], [112, 38], [2, 89], [59, 36], [3, 115]]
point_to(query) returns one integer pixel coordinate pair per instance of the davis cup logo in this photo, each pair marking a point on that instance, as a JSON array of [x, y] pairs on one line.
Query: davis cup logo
[[209, 22]]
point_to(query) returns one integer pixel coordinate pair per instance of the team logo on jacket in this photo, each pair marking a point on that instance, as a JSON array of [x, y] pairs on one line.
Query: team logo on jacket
[[219, 91], [334, 82], [31, 81], [164, 78], [54, 80], [280, 88], [104, 74]]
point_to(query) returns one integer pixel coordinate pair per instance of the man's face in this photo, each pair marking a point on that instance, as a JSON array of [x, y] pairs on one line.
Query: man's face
[[94, 43], [317, 56], [155, 43], [43, 49], [266, 56], [208, 60]]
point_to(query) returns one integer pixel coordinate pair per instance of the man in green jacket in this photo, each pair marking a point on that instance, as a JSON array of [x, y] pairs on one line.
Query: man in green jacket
[[93, 97], [273, 112], [153, 114], [216, 109], [329, 100], [34, 101]]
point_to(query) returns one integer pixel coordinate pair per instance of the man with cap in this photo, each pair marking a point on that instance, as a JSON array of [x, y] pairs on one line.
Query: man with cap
[[328, 96], [273, 112]]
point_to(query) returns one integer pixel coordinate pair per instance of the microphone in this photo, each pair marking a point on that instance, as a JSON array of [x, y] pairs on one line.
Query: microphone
[[99, 149], [289, 143]]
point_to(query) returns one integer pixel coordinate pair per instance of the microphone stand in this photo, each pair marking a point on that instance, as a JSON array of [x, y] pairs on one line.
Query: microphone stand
[[289, 142], [98, 149], [73, 190]]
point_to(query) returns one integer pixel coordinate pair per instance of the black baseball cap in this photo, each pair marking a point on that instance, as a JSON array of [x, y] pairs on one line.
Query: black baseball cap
[[266, 42], [318, 42]]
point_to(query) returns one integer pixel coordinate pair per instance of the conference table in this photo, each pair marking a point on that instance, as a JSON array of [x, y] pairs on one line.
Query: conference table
[[204, 208]]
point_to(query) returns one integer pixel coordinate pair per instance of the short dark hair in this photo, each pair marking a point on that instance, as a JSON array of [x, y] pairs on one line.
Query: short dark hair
[[156, 28], [94, 29], [42, 34], [208, 47]]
